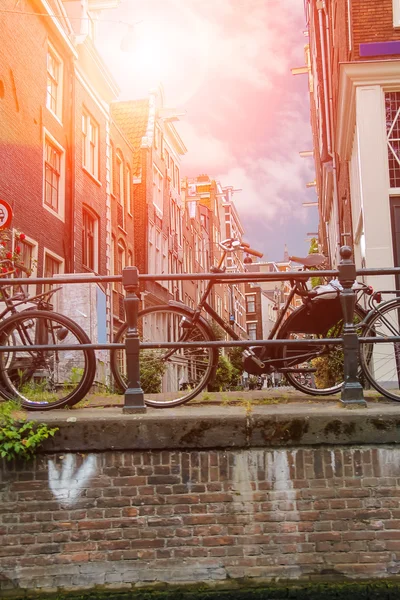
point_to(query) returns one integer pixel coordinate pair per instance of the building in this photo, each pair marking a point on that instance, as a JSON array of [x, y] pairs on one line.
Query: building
[[158, 210], [354, 76]]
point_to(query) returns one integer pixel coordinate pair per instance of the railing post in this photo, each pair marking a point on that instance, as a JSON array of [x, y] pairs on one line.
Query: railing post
[[134, 397], [352, 391]]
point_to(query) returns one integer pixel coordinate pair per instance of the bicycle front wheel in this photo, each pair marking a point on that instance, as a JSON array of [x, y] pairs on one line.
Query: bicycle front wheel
[[317, 370], [45, 379], [168, 376], [381, 361]]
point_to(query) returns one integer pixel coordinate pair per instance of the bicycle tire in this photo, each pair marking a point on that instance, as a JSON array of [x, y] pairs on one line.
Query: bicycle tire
[[326, 362], [381, 361], [45, 380], [162, 370]]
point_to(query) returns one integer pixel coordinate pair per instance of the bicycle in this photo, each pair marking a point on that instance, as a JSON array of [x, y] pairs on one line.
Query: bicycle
[[163, 371], [41, 379]]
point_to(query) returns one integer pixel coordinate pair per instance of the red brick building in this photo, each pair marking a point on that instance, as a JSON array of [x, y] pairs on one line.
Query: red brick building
[[158, 212], [354, 75]]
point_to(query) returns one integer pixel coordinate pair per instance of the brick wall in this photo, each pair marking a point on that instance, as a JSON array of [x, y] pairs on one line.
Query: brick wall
[[372, 22], [23, 119], [121, 518]]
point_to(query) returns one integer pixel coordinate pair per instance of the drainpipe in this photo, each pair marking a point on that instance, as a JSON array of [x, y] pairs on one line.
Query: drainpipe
[[73, 165], [328, 104]]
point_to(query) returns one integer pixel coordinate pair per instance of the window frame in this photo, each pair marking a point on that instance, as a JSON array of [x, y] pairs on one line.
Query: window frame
[[396, 13], [60, 212], [55, 257], [95, 220], [128, 190], [158, 198], [59, 80], [90, 148], [28, 241], [119, 191], [250, 302], [253, 325]]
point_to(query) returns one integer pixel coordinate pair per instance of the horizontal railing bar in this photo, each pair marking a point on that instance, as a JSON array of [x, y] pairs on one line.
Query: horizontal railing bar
[[237, 277], [62, 347], [223, 277], [65, 279], [383, 271], [204, 344]]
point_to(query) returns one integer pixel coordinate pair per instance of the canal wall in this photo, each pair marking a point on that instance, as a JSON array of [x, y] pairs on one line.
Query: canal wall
[[122, 501]]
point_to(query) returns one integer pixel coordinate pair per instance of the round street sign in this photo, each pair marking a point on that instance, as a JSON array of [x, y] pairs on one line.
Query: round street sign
[[5, 214]]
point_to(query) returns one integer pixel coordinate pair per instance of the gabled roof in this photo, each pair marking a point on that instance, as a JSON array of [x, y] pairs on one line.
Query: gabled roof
[[134, 120]]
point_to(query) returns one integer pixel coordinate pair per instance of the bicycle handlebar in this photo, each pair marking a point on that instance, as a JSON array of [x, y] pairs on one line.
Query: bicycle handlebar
[[232, 244], [253, 252]]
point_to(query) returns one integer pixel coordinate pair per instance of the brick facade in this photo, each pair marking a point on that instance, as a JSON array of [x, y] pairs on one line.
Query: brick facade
[[143, 517], [24, 119]]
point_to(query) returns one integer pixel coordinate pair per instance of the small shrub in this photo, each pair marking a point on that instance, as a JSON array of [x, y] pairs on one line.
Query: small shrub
[[20, 438]]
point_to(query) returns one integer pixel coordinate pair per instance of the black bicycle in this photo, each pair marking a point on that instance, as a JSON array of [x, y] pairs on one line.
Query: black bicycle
[[42, 379], [170, 377]]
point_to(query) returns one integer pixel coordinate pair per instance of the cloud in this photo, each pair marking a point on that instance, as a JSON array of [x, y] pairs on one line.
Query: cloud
[[204, 150]]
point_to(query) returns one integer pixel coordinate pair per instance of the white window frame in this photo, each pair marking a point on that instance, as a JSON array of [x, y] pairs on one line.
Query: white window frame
[[54, 256], [89, 164], [59, 83], [120, 174], [396, 13], [128, 190], [121, 253], [95, 240], [152, 252], [248, 302], [253, 329], [31, 289], [60, 213], [158, 189]]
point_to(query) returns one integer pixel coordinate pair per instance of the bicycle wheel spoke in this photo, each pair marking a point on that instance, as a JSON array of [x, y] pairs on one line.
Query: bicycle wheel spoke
[[169, 376], [381, 361], [50, 378]]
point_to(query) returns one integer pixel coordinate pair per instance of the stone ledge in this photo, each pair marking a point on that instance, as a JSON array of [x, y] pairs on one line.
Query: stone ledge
[[205, 427]]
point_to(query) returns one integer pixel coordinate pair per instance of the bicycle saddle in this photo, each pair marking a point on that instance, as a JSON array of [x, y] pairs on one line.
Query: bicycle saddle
[[312, 260]]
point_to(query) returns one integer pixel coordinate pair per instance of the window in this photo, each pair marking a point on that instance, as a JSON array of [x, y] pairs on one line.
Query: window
[[151, 259], [121, 263], [90, 145], [128, 191], [392, 105], [54, 82], [250, 304], [157, 189], [53, 265], [157, 137], [158, 251], [177, 183], [111, 168], [119, 189], [396, 13], [89, 240], [54, 176], [252, 331], [27, 257]]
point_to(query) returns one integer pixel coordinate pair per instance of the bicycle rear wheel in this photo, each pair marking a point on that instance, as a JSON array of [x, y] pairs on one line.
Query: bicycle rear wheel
[[317, 370], [168, 377], [381, 361], [45, 379]]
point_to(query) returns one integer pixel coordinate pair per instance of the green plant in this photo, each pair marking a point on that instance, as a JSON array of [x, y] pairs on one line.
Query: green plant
[[20, 438], [223, 375], [152, 368]]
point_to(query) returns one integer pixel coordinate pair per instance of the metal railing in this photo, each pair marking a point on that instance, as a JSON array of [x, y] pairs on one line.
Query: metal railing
[[352, 394]]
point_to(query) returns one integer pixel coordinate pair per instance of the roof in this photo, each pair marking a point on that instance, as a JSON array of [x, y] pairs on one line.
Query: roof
[[132, 118]]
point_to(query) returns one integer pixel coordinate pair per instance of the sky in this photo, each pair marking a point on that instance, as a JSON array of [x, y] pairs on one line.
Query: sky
[[225, 64]]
